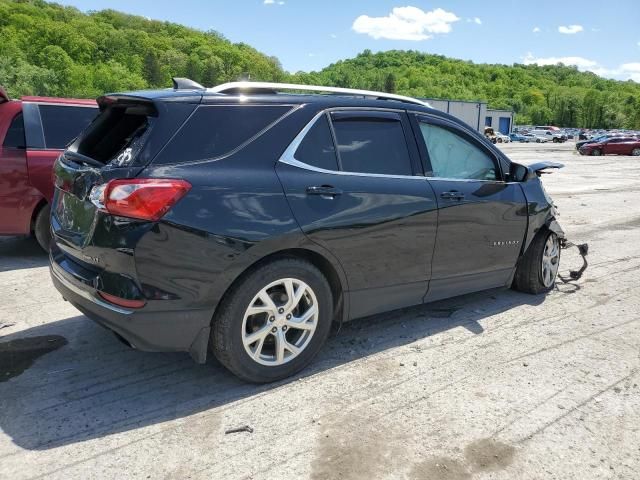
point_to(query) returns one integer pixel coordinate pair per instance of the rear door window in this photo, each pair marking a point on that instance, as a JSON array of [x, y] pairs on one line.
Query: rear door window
[[317, 148], [215, 131], [62, 123], [372, 143], [15, 134]]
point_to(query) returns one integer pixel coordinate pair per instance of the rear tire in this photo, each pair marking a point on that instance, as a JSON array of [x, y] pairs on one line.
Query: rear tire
[[281, 347], [538, 268], [42, 227]]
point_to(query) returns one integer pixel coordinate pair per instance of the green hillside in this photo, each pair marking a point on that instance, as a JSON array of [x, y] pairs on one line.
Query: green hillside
[[557, 95], [47, 49], [53, 50]]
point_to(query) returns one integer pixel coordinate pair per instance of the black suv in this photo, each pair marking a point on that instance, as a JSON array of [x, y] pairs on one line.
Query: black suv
[[245, 220]]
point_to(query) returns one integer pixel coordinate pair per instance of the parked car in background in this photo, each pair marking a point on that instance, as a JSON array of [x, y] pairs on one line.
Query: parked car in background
[[502, 138], [599, 138], [247, 220], [555, 136], [516, 137], [612, 146], [536, 138], [33, 132]]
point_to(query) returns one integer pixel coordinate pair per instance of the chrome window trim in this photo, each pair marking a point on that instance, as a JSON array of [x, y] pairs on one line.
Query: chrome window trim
[[288, 156]]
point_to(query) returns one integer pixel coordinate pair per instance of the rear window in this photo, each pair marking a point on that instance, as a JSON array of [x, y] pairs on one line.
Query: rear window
[[63, 123], [118, 134], [214, 131], [15, 135]]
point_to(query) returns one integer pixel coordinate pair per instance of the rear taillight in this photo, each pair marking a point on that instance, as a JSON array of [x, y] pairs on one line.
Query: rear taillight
[[122, 302], [141, 198]]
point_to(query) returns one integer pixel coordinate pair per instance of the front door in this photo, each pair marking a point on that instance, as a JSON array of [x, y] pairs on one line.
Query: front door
[[359, 197], [482, 219]]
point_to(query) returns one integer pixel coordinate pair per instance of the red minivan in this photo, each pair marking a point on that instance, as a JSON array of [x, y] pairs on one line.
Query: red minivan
[[33, 132]]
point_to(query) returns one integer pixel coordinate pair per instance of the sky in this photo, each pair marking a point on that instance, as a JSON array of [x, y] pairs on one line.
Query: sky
[[602, 37]]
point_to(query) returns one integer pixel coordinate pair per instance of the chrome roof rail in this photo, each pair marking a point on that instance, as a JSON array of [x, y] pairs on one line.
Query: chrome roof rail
[[238, 86]]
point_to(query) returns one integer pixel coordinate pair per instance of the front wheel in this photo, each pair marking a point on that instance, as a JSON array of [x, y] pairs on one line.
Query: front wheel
[[538, 268], [635, 152], [596, 152], [274, 321]]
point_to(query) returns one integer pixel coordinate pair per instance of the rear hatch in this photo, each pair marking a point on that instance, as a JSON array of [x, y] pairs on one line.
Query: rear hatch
[[119, 143]]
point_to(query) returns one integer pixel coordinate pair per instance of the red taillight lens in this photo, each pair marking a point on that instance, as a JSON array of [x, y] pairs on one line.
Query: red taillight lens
[[122, 302], [143, 198]]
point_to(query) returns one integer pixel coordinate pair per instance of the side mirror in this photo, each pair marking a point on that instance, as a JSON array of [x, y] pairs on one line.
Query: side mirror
[[518, 173]]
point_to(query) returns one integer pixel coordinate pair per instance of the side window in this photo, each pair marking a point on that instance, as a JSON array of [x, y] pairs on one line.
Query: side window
[[62, 123], [372, 145], [213, 131], [454, 157], [15, 135], [316, 149]]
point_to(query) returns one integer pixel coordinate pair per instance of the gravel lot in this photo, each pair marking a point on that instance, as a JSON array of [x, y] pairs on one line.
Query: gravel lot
[[495, 385]]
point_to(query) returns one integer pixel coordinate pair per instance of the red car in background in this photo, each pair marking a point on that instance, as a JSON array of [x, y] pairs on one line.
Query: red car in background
[[614, 145], [33, 132]]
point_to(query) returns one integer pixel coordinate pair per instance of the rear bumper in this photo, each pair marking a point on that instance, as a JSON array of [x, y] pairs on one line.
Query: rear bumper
[[146, 329]]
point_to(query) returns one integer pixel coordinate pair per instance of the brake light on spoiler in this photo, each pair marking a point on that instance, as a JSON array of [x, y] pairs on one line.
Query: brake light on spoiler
[[140, 198]]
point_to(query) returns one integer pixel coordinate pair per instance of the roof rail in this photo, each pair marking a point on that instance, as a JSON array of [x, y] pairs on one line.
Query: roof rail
[[233, 87]]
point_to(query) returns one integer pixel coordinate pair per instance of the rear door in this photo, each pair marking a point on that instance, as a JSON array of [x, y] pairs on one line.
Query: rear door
[[482, 219], [351, 180], [14, 186]]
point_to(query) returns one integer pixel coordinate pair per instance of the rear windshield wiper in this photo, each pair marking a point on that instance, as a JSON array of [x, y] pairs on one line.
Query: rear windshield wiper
[[83, 159]]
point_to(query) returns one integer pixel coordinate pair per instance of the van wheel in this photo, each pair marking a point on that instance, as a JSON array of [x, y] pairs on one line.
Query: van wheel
[[42, 227], [596, 152], [538, 268], [274, 321], [635, 152]]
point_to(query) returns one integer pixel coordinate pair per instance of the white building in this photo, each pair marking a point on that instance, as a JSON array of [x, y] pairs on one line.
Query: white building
[[475, 114]]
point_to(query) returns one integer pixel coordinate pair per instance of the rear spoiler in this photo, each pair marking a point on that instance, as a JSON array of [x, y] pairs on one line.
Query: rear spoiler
[[3, 96]]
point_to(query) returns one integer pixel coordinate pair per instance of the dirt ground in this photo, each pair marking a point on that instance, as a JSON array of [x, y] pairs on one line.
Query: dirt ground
[[497, 384]]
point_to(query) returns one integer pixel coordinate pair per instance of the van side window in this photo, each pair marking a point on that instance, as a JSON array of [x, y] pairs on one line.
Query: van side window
[[15, 134], [63, 123]]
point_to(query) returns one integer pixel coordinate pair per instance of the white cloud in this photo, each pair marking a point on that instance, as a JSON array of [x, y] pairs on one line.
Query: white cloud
[[570, 29], [406, 23], [626, 71], [639, 44], [333, 35], [273, 2], [536, 30], [579, 62], [477, 20]]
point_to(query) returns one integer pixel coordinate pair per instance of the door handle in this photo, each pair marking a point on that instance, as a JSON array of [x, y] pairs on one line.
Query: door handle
[[452, 195], [324, 191]]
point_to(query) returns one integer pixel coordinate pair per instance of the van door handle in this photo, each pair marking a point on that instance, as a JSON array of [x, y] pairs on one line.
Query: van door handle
[[324, 191], [452, 195]]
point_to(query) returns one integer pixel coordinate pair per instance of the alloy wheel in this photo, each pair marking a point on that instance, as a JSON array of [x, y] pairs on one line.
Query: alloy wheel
[[279, 322], [550, 260], [635, 152]]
